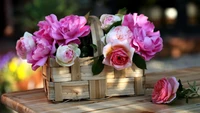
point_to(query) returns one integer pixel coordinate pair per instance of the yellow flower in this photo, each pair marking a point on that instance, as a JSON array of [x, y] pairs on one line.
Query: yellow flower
[[13, 64]]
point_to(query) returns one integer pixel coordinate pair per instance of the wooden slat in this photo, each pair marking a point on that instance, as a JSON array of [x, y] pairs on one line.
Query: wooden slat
[[75, 70], [119, 73], [120, 86], [139, 85], [86, 61], [97, 34], [97, 89], [134, 71], [58, 90], [60, 70], [51, 62]]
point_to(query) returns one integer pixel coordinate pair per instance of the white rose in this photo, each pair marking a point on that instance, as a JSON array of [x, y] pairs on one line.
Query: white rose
[[120, 33], [107, 20], [66, 54]]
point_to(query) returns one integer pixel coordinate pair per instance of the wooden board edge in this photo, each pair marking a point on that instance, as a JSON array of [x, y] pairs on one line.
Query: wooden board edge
[[15, 105]]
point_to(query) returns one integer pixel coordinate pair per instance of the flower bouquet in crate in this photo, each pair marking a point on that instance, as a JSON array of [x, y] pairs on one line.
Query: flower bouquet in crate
[[129, 41], [116, 52]]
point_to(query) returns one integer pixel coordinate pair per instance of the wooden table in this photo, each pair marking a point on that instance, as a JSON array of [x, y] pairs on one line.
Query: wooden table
[[34, 101]]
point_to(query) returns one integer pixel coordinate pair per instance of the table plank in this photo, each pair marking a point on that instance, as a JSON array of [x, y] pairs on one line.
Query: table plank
[[35, 101], [188, 74]]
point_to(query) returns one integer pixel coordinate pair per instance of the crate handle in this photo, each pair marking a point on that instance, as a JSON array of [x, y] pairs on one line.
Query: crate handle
[[97, 34]]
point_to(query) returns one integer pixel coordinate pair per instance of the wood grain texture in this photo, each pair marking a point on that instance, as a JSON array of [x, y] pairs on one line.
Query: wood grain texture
[[187, 74], [97, 34], [97, 88], [35, 101], [75, 70]]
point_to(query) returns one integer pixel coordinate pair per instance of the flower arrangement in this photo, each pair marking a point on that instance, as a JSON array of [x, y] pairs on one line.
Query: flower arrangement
[[166, 90], [129, 38], [59, 39]]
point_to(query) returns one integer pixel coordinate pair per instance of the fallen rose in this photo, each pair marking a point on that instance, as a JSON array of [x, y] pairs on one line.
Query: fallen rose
[[165, 90]]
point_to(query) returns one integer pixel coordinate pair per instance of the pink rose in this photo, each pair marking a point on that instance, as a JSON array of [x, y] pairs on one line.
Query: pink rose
[[118, 54], [24, 45], [145, 41], [47, 28], [66, 54], [107, 20], [39, 55], [165, 90], [71, 28], [118, 33]]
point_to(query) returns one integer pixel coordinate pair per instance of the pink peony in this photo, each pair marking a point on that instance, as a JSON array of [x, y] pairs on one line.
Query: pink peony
[[107, 20], [118, 33], [66, 54], [70, 29], [24, 45], [39, 55], [118, 54], [39, 47], [145, 41], [165, 90], [47, 28]]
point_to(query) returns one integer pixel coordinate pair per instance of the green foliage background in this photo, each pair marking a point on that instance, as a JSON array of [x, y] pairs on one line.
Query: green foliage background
[[34, 11]]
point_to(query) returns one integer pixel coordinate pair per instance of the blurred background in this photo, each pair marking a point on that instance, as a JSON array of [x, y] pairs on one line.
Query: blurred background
[[177, 20]]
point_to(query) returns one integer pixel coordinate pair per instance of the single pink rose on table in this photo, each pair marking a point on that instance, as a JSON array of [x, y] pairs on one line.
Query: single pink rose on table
[[165, 90], [118, 54], [24, 45], [66, 54], [39, 55], [107, 20], [70, 29], [120, 33], [145, 41]]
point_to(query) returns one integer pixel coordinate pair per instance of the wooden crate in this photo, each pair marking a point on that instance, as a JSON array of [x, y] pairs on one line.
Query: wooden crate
[[78, 82]]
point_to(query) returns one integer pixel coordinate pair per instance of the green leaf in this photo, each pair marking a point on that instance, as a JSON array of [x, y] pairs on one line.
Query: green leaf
[[122, 11], [94, 47], [197, 89], [187, 91], [193, 86], [97, 66], [193, 95], [139, 61]]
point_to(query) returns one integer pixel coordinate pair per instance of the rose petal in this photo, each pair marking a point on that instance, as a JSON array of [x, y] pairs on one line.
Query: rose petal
[[174, 83], [171, 98]]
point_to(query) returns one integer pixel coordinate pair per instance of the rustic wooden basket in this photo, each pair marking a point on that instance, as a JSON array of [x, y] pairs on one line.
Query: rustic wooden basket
[[78, 82]]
